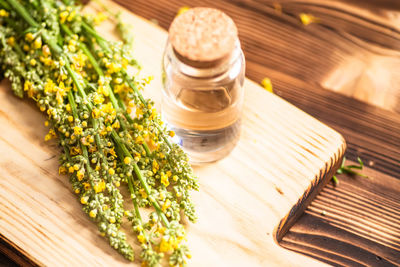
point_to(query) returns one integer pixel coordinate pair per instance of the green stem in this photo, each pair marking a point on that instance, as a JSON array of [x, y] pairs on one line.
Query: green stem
[[141, 179], [72, 103], [99, 38], [5, 5], [22, 11], [335, 180]]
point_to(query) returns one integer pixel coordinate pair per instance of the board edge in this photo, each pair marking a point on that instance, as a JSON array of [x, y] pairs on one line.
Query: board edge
[[16, 254], [321, 179]]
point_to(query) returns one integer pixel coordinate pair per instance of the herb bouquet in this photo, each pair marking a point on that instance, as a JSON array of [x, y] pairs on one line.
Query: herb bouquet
[[53, 55]]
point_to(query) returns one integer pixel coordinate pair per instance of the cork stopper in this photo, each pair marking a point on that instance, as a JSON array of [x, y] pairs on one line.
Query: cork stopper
[[203, 37]]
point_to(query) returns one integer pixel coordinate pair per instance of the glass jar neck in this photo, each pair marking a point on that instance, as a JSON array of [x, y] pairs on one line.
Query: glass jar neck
[[203, 69]]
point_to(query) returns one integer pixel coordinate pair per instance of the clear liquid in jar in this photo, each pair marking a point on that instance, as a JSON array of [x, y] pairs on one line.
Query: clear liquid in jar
[[206, 120]]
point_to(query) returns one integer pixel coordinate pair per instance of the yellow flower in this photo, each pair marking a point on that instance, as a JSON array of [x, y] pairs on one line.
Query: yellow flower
[[93, 213], [71, 169], [98, 99], [171, 133], [112, 67], [143, 193], [77, 191], [62, 170], [78, 60], [3, 13], [61, 92], [116, 125], [46, 61], [29, 37], [78, 130], [76, 151], [139, 228], [165, 245], [84, 200], [50, 135], [63, 16], [155, 166], [137, 156], [139, 140], [95, 113], [307, 19], [49, 86], [71, 16], [99, 18], [86, 186], [37, 43], [182, 10], [25, 47], [111, 171], [139, 112], [28, 86], [11, 41], [266, 83], [161, 230], [125, 63], [108, 108], [80, 174], [127, 160], [109, 129], [161, 196], [166, 205], [70, 118], [164, 179], [118, 80], [141, 238], [99, 187]]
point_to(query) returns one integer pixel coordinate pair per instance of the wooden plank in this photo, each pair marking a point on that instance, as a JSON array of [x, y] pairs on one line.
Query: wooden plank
[[283, 157], [353, 49], [355, 223]]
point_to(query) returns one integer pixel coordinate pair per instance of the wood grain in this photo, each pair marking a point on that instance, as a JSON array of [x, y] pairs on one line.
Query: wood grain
[[353, 49], [283, 155], [359, 224]]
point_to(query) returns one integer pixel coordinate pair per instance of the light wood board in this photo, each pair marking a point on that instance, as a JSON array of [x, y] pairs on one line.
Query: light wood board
[[246, 201]]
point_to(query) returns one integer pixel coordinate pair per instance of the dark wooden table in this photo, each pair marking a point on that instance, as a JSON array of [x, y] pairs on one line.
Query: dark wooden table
[[342, 69]]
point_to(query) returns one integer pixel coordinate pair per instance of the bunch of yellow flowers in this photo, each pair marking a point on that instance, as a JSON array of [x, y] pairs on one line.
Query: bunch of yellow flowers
[[80, 81]]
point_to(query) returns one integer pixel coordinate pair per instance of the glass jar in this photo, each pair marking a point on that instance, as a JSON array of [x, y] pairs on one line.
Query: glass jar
[[202, 102]]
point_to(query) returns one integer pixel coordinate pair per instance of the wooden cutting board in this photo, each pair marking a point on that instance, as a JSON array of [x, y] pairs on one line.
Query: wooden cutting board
[[246, 201]]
